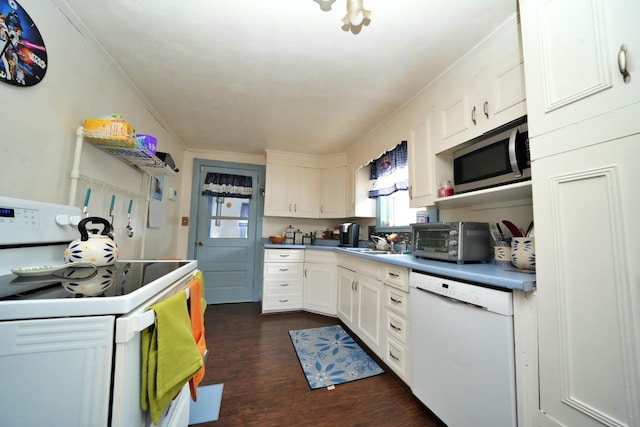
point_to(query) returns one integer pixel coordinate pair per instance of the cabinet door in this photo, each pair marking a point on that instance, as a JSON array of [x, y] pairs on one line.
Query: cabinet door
[[320, 288], [357, 199], [587, 250], [422, 189], [333, 185], [276, 198], [369, 302], [571, 50], [346, 292], [305, 185]]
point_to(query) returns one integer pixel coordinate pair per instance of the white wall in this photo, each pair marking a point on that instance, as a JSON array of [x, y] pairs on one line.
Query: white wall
[[38, 134]]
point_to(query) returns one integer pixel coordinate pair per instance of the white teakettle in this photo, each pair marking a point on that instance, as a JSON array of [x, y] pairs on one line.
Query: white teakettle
[[92, 247]]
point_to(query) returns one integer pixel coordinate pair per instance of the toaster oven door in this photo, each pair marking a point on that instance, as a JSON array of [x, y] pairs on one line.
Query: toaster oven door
[[432, 240]]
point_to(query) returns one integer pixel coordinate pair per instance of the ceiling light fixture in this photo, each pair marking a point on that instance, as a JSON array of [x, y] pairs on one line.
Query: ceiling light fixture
[[356, 16]]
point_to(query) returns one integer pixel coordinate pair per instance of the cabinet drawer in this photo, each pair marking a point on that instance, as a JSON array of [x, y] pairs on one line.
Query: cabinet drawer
[[282, 301], [396, 359], [397, 326], [283, 255], [321, 257], [362, 266], [277, 269], [397, 301], [396, 276], [282, 284]]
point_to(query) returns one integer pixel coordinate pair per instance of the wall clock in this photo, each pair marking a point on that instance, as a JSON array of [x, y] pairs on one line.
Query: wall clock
[[23, 57]]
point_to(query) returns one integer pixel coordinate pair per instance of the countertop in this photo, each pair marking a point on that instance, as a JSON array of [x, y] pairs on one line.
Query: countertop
[[483, 273]]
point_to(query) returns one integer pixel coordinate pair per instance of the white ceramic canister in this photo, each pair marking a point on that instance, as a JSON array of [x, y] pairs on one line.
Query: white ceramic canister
[[523, 253]]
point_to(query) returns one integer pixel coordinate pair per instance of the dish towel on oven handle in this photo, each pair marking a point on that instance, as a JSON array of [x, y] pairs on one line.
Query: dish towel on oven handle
[[170, 356], [196, 311]]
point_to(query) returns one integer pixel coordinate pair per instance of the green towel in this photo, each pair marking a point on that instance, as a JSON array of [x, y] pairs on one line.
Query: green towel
[[170, 356]]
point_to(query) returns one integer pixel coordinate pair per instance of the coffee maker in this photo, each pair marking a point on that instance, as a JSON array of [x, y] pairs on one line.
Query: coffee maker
[[349, 235]]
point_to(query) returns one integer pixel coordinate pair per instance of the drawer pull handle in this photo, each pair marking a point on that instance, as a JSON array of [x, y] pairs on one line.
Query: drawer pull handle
[[284, 255], [394, 274], [395, 300], [284, 269], [393, 356], [283, 300], [284, 284], [622, 63], [395, 327]]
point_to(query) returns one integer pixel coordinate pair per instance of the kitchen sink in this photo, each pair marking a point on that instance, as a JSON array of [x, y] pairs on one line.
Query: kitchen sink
[[370, 251]]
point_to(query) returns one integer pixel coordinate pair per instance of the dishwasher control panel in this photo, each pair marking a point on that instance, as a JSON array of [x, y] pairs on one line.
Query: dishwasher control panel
[[494, 300]]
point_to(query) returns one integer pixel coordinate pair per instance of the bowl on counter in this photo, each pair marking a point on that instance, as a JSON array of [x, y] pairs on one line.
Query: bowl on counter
[[276, 239]]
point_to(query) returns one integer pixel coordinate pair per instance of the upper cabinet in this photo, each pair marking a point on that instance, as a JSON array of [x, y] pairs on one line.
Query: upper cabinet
[[484, 90], [357, 199], [422, 189], [292, 191], [333, 192], [578, 54]]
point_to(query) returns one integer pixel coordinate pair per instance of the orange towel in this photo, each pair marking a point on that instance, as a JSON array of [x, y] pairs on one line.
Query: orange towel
[[197, 325]]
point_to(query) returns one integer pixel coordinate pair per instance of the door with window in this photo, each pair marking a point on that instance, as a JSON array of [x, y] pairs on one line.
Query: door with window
[[227, 230]]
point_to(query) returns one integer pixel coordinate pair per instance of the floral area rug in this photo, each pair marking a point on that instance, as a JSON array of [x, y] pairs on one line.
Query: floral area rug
[[329, 356]]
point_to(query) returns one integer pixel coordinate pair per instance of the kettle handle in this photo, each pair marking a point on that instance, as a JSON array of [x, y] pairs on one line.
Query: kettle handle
[[84, 234]]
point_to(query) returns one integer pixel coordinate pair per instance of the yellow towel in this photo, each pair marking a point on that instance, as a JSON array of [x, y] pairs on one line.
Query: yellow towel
[[170, 356]]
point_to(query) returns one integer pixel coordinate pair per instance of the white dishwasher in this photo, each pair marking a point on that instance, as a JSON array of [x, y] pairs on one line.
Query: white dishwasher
[[463, 351]]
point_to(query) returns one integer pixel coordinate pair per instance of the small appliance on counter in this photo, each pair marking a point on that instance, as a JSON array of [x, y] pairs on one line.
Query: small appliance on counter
[[349, 235], [452, 241]]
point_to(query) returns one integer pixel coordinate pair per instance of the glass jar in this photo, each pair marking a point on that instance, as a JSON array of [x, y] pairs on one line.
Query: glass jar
[[445, 189]]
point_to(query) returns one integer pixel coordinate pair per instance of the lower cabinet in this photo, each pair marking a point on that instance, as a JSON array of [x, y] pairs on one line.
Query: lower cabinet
[[282, 280], [360, 307], [320, 283], [397, 332]]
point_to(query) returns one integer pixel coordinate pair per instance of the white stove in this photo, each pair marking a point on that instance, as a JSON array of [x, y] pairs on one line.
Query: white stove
[[70, 338]]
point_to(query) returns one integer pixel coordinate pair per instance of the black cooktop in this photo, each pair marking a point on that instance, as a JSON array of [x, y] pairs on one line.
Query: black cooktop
[[115, 280]]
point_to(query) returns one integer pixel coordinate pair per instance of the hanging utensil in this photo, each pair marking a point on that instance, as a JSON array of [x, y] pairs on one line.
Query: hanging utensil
[[113, 202], [529, 229], [129, 227], [515, 231], [86, 203]]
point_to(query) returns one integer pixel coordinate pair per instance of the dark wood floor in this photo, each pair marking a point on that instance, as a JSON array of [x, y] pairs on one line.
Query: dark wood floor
[[264, 384]]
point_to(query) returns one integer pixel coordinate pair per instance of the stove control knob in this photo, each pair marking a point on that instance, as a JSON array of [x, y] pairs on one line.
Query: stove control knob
[[453, 252], [453, 233], [453, 242]]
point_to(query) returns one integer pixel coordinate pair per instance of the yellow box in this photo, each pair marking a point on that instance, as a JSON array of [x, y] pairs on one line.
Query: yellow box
[[110, 130]]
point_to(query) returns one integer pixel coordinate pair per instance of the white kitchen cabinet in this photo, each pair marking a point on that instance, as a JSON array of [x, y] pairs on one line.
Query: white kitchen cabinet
[[585, 142], [587, 250], [422, 187], [397, 330], [484, 90], [320, 283], [360, 300], [282, 280], [292, 191], [358, 203], [333, 192], [571, 50]]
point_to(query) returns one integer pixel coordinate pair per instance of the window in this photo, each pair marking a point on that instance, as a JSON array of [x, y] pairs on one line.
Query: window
[[389, 185]]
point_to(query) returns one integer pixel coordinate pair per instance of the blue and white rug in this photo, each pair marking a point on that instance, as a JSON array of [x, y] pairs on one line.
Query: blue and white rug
[[329, 356]]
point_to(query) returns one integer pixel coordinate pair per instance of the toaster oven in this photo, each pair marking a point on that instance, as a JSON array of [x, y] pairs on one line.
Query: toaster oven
[[452, 241]]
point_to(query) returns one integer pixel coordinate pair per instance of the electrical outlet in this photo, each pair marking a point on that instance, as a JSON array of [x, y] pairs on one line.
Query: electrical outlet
[[185, 221]]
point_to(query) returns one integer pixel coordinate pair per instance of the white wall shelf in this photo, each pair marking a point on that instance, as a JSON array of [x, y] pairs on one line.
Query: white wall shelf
[[501, 194]]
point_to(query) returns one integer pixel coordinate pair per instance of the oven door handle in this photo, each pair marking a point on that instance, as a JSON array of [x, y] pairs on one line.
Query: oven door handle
[[128, 327], [513, 158]]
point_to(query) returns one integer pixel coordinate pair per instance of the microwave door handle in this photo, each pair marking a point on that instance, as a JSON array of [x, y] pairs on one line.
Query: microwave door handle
[[513, 138]]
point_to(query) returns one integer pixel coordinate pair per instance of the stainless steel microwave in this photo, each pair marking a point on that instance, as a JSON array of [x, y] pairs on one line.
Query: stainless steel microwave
[[497, 158], [452, 241]]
